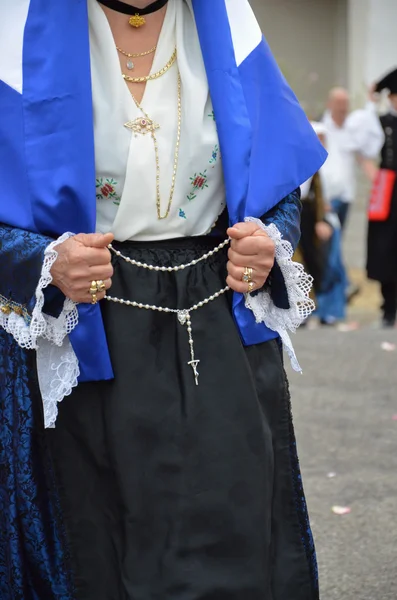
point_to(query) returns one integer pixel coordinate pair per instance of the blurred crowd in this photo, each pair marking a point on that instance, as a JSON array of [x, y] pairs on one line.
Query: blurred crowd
[[368, 139]]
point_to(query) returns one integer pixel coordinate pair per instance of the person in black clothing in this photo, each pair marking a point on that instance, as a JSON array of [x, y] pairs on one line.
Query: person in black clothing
[[382, 234]]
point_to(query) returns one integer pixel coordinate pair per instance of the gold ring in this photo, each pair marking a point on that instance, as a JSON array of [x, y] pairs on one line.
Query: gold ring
[[101, 287], [247, 275], [94, 299], [251, 287], [94, 287]]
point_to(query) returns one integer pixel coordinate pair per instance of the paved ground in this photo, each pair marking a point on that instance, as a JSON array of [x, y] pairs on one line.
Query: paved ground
[[344, 406]]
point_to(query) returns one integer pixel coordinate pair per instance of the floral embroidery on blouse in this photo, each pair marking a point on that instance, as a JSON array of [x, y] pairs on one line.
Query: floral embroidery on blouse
[[214, 155], [182, 214], [106, 189], [212, 115], [199, 182]]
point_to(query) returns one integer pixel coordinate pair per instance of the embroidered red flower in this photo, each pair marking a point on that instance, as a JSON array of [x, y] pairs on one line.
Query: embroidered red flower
[[107, 189], [199, 182]]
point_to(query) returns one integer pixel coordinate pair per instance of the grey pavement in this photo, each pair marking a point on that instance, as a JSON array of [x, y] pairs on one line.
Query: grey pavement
[[343, 406]]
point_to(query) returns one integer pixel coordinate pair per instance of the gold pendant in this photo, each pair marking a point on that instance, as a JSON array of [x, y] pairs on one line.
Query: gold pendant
[[137, 21], [142, 126]]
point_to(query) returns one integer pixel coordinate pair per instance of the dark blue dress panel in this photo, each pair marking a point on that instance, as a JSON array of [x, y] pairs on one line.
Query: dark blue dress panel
[[33, 563]]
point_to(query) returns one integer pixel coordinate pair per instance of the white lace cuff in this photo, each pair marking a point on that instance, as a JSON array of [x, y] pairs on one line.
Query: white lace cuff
[[57, 364], [298, 285]]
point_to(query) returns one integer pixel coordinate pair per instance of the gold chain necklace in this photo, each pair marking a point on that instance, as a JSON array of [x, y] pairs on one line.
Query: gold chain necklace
[[130, 65], [147, 125], [152, 75]]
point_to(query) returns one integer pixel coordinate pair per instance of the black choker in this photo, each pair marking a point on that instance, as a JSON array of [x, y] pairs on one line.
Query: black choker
[[137, 19]]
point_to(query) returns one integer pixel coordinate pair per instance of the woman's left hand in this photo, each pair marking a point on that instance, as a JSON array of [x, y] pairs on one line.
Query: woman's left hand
[[250, 247]]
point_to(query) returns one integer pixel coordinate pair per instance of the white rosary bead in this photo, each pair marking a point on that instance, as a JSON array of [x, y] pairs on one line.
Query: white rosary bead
[[183, 315], [169, 269]]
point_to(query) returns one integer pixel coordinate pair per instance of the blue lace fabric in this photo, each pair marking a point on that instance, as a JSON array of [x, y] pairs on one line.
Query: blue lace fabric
[[33, 559], [286, 217], [21, 262]]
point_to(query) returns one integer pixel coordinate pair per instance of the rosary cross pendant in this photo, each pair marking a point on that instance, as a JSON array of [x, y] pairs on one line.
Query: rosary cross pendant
[[194, 364]]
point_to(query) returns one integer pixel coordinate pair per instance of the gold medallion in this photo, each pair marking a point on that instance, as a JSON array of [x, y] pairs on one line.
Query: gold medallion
[[142, 126], [137, 21]]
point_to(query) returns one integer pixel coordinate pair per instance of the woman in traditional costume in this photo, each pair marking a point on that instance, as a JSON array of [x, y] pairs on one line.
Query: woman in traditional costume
[[171, 469], [382, 229]]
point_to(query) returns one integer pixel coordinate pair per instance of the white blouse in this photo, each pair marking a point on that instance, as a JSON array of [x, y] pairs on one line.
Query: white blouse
[[125, 162], [361, 134]]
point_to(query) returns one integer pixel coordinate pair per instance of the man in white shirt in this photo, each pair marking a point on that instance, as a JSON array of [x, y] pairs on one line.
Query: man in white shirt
[[350, 138]]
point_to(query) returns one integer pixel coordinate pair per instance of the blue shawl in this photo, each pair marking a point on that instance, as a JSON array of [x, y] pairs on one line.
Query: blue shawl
[[47, 163]]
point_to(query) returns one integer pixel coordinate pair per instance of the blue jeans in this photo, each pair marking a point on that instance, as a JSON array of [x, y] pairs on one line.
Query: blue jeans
[[341, 208], [331, 300]]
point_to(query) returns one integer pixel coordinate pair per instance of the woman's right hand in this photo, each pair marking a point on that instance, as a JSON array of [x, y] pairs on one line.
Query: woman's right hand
[[82, 259]]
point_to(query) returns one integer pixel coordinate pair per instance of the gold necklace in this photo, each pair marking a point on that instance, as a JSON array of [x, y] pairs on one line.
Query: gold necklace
[[146, 125], [130, 65], [152, 75]]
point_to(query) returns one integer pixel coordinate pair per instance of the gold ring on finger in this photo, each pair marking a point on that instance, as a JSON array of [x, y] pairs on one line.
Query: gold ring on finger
[[251, 287], [101, 287], [247, 275], [94, 287], [94, 299]]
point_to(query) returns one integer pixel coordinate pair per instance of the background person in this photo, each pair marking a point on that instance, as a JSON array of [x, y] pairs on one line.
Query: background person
[[352, 137], [382, 231], [315, 230]]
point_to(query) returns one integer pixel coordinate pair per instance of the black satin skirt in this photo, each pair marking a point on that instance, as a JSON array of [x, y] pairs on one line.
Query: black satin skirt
[[173, 491]]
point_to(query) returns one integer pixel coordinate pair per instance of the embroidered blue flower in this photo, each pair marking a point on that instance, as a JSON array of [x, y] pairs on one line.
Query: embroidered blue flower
[[214, 155], [182, 214]]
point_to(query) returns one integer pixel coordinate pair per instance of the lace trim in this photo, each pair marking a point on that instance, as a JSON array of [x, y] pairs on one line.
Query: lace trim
[[58, 372], [298, 284], [57, 364]]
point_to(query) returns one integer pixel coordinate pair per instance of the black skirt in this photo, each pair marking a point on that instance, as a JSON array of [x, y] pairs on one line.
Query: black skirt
[[382, 246], [173, 491]]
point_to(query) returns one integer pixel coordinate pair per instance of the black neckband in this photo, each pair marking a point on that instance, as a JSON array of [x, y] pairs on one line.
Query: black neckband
[[127, 9]]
